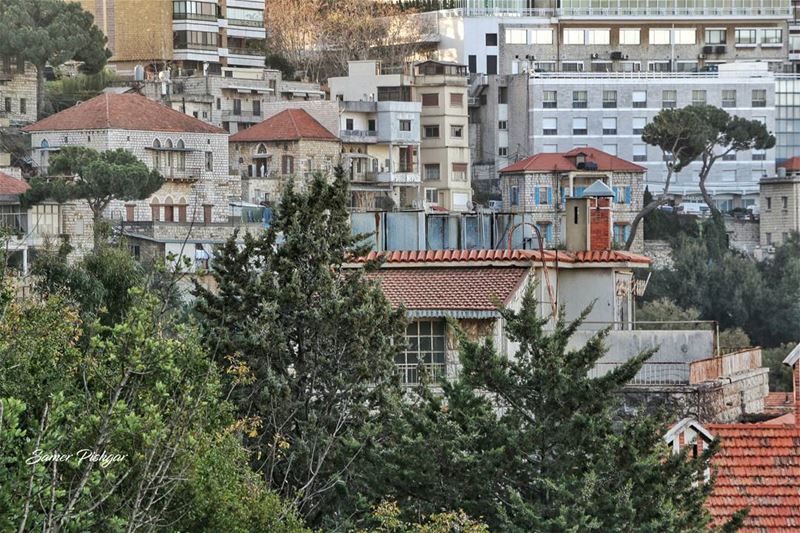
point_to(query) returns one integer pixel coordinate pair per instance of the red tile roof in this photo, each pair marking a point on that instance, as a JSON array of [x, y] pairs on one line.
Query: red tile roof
[[779, 401], [758, 466], [11, 186], [124, 112], [562, 162], [483, 256], [792, 164], [288, 125], [450, 288]]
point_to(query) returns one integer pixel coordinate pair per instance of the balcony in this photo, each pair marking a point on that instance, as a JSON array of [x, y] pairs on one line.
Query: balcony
[[184, 175], [242, 116], [245, 51], [399, 178], [359, 136]]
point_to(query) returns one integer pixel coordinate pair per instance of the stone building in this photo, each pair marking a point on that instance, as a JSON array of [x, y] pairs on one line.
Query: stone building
[[17, 92], [779, 209], [290, 145], [541, 184], [191, 155]]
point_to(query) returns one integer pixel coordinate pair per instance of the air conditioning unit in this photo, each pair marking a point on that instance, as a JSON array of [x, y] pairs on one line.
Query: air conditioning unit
[[708, 49], [616, 56], [719, 49]]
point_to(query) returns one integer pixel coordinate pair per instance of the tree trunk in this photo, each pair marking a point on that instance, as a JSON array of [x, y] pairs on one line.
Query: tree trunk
[[646, 210], [97, 229], [40, 91]]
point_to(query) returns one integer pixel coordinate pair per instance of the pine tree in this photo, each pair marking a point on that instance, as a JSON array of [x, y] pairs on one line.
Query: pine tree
[[312, 345], [532, 443]]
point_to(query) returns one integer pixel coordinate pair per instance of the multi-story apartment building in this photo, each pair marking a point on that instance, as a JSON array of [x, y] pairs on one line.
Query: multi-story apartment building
[[441, 89], [290, 145], [508, 36], [193, 35], [550, 112], [380, 152], [191, 155], [779, 209], [232, 100], [541, 184]]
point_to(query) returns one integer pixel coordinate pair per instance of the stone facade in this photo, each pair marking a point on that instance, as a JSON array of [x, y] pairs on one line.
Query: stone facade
[[661, 254], [779, 209], [264, 178], [18, 95], [743, 234]]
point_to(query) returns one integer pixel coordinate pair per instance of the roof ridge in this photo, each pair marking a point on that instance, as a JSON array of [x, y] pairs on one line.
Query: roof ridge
[[294, 123]]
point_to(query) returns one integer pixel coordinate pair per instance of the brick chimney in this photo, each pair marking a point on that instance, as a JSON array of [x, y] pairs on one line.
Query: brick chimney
[[600, 223]]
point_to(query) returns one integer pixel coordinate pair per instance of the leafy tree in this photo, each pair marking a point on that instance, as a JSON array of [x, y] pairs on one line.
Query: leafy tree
[[677, 132], [316, 342], [51, 31], [68, 91], [780, 375], [99, 178], [723, 134], [532, 443], [778, 320], [664, 310], [388, 517], [144, 395]]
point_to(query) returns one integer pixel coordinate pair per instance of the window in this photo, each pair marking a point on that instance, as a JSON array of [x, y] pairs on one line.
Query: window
[[491, 39], [639, 98], [572, 66], [425, 351], [432, 172], [573, 36], [514, 195], [759, 98], [598, 36], [550, 126], [457, 131], [456, 100], [729, 98], [543, 196], [759, 155], [746, 37], [686, 66], [715, 36], [579, 99], [659, 36], [698, 97], [602, 66], [542, 36], [550, 99], [669, 99], [348, 124], [23, 106], [516, 37], [459, 171], [431, 131], [432, 196], [621, 233], [610, 149], [768, 235], [502, 125], [609, 125], [7, 105], [209, 161], [287, 165], [405, 125], [685, 36], [430, 99], [491, 65], [730, 156], [257, 108], [472, 61], [659, 66], [579, 126], [631, 66], [622, 195], [544, 66], [784, 202], [640, 152], [502, 151], [237, 106], [772, 36], [198, 40], [609, 99], [769, 202], [630, 36], [196, 11], [502, 95]]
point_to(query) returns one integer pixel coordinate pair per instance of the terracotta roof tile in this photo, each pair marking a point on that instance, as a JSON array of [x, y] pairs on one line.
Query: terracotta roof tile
[[450, 288], [562, 162], [288, 125], [479, 256], [758, 466], [792, 164], [124, 112], [11, 186]]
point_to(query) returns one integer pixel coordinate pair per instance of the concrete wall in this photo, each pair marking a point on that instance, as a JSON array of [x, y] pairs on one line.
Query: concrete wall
[[743, 235]]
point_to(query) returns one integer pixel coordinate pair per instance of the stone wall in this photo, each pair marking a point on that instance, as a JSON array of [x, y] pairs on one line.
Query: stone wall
[[660, 252], [17, 92], [743, 235]]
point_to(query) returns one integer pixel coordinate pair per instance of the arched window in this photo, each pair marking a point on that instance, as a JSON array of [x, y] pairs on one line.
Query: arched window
[[155, 209], [45, 155], [169, 210], [156, 154], [168, 147], [181, 155], [181, 209], [261, 149]]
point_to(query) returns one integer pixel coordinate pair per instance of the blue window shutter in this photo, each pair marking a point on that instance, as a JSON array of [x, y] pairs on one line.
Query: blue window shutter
[[549, 232], [549, 196], [627, 195], [536, 194], [579, 192], [627, 231], [563, 195]]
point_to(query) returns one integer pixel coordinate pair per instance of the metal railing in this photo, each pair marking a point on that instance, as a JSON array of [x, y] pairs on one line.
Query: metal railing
[[182, 174], [359, 133], [410, 374], [246, 51], [248, 23], [657, 373]]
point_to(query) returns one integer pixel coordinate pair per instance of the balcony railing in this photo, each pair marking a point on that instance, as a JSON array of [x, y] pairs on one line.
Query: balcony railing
[[248, 23], [657, 373], [411, 374], [245, 51], [188, 174], [399, 177], [360, 135]]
